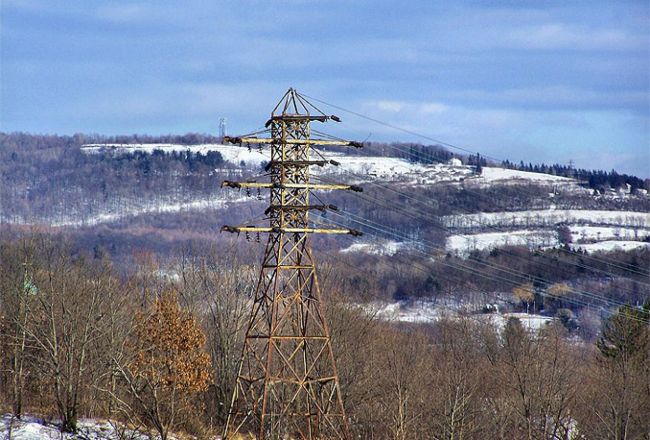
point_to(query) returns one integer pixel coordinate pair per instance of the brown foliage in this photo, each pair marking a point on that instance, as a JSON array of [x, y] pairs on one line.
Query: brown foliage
[[167, 369], [169, 349]]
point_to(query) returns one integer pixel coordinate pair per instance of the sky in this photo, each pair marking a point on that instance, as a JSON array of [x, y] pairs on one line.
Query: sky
[[539, 81]]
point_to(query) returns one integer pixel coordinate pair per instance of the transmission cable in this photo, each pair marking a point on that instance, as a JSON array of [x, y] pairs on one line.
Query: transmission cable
[[475, 271], [428, 221], [414, 133]]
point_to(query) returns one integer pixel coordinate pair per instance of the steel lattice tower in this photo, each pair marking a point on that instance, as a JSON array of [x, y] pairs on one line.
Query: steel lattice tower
[[287, 383]]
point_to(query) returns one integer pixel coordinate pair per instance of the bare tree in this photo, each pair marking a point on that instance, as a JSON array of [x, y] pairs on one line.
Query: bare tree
[[218, 287]]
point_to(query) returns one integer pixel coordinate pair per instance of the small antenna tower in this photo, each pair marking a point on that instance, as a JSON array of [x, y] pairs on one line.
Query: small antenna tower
[[222, 127], [287, 383]]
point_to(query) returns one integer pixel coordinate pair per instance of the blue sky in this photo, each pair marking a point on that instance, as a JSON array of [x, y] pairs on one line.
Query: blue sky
[[538, 81]]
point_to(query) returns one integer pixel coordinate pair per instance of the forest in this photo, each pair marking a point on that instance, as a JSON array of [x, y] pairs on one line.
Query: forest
[[156, 347], [50, 180]]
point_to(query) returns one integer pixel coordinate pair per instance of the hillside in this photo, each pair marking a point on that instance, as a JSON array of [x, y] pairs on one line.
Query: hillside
[[122, 196], [462, 265], [127, 184]]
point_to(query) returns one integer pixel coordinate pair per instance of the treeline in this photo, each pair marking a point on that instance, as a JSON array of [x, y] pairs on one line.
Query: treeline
[[159, 161], [49, 179], [19, 141], [594, 179], [158, 347]]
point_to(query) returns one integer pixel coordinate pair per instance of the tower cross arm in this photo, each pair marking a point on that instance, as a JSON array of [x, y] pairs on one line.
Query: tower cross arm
[[256, 140], [311, 186], [238, 229]]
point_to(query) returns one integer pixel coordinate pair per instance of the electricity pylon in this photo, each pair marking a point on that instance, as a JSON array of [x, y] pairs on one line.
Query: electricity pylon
[[287, 384]]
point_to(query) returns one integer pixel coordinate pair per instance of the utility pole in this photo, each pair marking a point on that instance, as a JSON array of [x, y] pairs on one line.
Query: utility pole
[[287, 384]]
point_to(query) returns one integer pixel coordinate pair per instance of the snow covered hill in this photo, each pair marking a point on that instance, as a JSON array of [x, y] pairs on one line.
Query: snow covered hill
[[590, 230], [364, 168], [585, 229]]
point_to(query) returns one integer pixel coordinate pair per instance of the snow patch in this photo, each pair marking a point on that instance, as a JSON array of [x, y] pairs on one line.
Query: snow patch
[[421, 312], [600, 233], [230, 153], [378, 247], [547, 218], [493, 174], [533, 323], [611, 245], [424, 312], [34, 428], [463, 244]]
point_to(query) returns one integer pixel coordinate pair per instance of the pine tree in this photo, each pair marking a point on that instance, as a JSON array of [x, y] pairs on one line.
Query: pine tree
[[625, 335], [620, 391]]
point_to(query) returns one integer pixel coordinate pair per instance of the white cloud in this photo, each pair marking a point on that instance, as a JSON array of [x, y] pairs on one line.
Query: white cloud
[[557, 97], [549, 36], [433, 107], [390, 106], [417, 108], [123, 13]]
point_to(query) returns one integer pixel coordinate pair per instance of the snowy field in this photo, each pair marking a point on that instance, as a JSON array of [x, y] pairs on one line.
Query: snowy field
[[539, 228], [463, 244], [422, 312], [589, 239], [582, 234], [612, 245], [369, 168], [230, 153], [492, 174], [377, 247], [547, 218]]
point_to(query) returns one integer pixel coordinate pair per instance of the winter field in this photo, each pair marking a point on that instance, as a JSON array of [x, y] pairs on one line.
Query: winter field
[[547, 218], [423, 312], [540, 229], [377, 247]]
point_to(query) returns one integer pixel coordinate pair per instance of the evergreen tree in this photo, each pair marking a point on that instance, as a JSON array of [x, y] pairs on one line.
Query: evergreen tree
[[625, 335]]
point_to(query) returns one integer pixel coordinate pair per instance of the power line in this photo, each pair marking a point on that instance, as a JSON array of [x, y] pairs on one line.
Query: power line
[[421, 217], [475, 271], [521, 275], [446, 144], [395, 127], [423, 136], [560, 249], [497, 267]]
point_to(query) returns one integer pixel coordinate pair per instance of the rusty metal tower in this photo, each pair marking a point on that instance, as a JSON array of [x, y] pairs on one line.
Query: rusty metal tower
[[287, 384]]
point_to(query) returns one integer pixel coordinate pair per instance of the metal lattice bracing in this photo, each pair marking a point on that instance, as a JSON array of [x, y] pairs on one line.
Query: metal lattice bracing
[[287, 384]]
